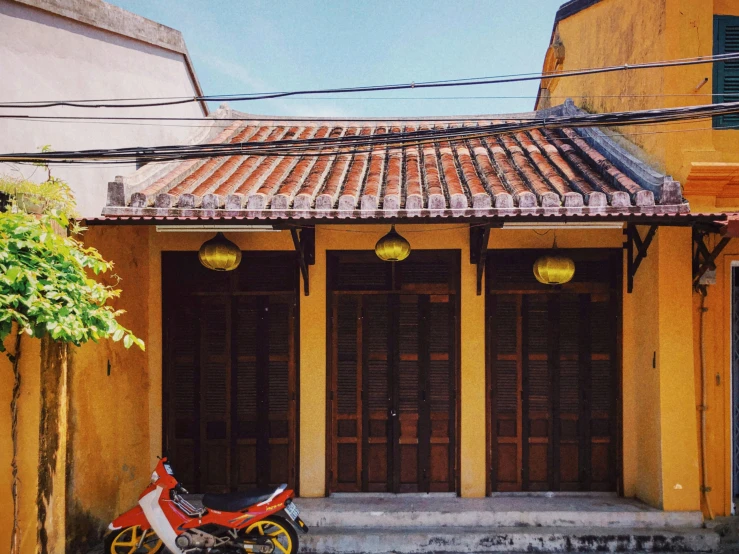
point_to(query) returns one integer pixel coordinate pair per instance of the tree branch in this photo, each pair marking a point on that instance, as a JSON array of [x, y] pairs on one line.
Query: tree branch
[[15, 534]]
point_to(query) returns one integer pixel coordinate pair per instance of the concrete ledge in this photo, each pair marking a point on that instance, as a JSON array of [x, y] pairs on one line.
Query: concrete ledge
[[542, 539], [432, 511]]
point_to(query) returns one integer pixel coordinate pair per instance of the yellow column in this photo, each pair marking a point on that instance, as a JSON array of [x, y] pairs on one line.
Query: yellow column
[[680, 479], [312, 459], [472, 395], [659, 387]]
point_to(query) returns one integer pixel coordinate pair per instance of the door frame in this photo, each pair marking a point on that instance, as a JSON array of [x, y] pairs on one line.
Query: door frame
[[168, 296], [616, 285], [455, 258]]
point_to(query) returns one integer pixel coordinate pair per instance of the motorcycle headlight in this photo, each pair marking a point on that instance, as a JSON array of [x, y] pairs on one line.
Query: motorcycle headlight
[[154, 477]]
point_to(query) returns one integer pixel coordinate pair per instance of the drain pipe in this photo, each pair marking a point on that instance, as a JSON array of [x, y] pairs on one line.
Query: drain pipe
[[705, 489]]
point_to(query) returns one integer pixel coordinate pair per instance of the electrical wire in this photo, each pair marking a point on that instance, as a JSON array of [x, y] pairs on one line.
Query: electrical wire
[[522, 77], [564, 139], [363, 143]]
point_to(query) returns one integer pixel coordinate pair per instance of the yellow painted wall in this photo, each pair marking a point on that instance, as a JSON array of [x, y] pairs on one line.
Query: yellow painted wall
[[28, 425], [616, 32], [681, 484], [641, 319], [717, 344], [660, 432], [109, 433]]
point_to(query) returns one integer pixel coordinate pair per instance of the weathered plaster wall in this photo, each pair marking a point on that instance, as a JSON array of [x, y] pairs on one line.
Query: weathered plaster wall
[[52, 57], [615, 32], [28, 447], [108, 457]]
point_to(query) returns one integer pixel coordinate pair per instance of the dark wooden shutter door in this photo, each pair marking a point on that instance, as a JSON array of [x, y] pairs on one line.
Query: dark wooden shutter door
[[411, 414], [553, 389], [504, 324], [602, 424], [182, 390], [347, 338], [249, 311], [726, 74], [280, 389], [393, 379], [230, 365], [554, 374], [441, 392], [376, 451], [215, 417]]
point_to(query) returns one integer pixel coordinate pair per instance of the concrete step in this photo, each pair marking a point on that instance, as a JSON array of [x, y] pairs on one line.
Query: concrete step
[[608, 512], [415, 540]]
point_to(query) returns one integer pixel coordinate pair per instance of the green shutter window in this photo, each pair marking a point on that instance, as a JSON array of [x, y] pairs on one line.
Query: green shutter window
[[726, 74]]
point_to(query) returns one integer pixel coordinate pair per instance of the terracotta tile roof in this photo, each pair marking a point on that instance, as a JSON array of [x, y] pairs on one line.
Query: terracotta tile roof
[[538, 171]]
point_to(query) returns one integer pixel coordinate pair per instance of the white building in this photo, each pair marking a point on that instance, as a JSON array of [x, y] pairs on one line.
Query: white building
[[82, 50]]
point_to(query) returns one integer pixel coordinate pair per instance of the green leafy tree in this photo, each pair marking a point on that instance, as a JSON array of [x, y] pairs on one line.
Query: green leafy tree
[[48, 285]]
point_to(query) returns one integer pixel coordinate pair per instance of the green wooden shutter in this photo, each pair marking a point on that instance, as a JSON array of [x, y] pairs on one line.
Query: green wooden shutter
[[726, 74]]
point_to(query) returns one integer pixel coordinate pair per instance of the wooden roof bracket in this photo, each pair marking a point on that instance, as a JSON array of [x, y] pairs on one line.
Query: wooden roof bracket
[[479, 251], [305, 246], [636, 251], [703, 258]]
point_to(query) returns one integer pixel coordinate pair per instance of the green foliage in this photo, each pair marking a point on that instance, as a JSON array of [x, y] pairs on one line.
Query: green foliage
[[46, 284], [51, 195]]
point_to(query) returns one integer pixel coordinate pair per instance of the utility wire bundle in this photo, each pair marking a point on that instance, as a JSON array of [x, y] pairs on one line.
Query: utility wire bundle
[[521, 77], [331, 146]]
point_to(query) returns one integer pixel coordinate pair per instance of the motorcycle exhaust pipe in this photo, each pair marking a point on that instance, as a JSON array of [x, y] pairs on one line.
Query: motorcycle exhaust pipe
[[259, 548]]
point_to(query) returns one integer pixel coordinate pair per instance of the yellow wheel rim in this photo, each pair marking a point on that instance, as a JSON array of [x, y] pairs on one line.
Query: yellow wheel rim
[[127, 542], [279, 535]]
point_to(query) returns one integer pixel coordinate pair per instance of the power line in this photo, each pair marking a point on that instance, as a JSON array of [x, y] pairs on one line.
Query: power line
[[361, 143], [378, 88]]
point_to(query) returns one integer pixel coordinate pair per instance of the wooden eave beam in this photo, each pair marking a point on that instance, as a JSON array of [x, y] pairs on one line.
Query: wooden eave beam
[[636, 251], [479, 251], [305, 246]]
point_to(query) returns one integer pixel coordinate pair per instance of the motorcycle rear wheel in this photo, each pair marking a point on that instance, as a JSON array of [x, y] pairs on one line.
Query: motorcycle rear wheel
[[282, 534], [126, 540]]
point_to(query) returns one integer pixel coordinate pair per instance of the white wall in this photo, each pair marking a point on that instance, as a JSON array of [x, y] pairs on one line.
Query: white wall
[[44, 56]]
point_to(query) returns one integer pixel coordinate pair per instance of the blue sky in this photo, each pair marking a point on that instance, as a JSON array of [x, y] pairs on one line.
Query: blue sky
[[255, 46]]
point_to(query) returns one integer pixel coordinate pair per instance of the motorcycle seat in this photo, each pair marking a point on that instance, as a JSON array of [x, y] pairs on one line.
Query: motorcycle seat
[[236, 501]]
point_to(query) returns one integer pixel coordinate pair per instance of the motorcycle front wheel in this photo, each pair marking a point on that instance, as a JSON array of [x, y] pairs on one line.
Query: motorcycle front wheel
[[280, 532], [127, 539]]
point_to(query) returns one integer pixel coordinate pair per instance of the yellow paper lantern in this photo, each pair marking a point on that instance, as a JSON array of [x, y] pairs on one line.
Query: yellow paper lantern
[[220, 254], [392, 247], [554, 269]]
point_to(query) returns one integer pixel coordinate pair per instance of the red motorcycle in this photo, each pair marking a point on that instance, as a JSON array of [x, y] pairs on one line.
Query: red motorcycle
[[260, 521]]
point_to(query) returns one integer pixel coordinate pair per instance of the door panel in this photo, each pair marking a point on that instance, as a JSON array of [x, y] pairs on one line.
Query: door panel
[[376, 401], [553, 384], [393, 382], [230, 368]]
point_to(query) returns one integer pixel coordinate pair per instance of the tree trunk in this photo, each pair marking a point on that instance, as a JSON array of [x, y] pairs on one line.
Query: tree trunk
[[50, 498], [15, 359]]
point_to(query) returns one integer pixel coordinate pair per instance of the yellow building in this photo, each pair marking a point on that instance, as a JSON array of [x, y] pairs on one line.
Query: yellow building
[[702, 155], [455, 370], [318, 364]]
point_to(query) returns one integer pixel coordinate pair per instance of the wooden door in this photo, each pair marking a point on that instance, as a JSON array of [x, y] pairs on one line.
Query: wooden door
[[554, 378], [393, 388], [230, 367]]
